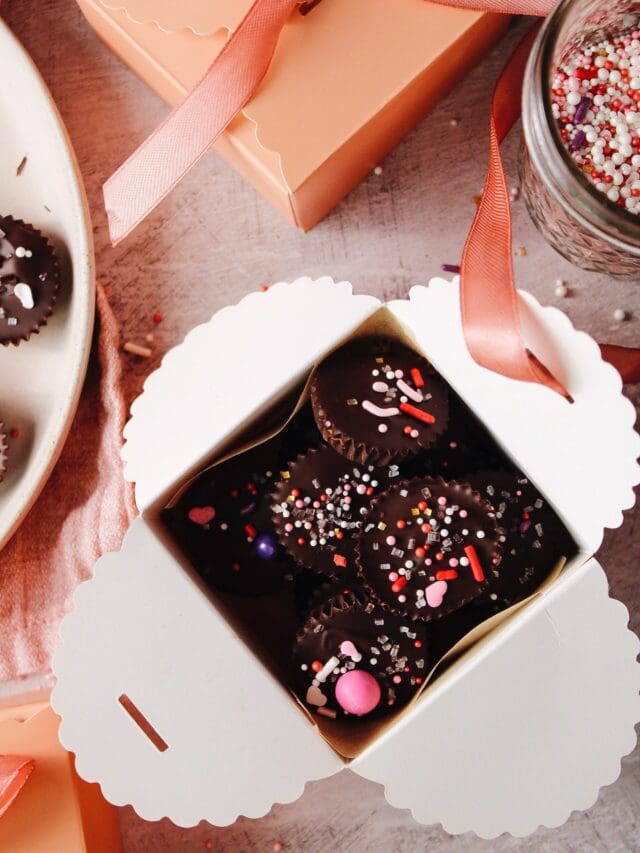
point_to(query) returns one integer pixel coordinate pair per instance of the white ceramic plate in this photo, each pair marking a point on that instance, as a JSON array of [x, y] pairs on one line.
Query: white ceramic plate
[[40, 380]]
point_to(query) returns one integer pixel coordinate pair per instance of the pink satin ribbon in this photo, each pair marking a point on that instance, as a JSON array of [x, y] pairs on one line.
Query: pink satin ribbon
[[488, 296], [489, 301], [193, 126], [14, 772]]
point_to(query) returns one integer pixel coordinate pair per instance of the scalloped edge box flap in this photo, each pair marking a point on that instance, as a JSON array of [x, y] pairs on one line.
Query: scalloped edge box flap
[[529, 726], [327, 113], [179, 693], [271, 339]]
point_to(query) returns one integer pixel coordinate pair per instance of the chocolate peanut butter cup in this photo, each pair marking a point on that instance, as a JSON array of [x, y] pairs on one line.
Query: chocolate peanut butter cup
[[376, 401], [29, 280], [319, 505], [428, 546], [353, 659]]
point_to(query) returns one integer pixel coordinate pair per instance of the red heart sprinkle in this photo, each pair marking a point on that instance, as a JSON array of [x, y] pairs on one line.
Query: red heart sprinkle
[[201, 514]]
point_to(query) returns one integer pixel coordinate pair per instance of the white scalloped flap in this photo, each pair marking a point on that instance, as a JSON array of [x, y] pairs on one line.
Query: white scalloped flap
[[237, 743], [582, 456], [529, 728], [229, 369]]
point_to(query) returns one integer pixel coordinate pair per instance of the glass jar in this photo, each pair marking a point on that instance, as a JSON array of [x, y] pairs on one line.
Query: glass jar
[[573, 216]]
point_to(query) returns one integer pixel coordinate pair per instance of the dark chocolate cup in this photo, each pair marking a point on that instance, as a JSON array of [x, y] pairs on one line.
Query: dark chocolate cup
[[40, 273], [535, 537], [469, 588], [313, 590], [386, 651], [312, 474], [363, 444]]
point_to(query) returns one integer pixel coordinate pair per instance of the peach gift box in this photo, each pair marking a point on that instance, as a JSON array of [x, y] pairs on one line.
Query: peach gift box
[[56, 811], [347, 82], [525, 727]]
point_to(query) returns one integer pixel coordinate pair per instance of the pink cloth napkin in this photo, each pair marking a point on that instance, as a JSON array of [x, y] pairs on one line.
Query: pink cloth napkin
[[82, 513]]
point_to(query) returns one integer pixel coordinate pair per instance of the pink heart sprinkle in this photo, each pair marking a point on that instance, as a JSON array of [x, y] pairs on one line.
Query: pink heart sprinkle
[[435, 592], [347, 648], [201, 514]]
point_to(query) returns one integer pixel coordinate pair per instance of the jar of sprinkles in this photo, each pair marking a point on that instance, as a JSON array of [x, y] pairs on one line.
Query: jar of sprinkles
[[580, 164]]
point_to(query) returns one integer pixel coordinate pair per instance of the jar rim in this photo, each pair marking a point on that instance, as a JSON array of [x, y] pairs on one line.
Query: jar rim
[[553, 163]]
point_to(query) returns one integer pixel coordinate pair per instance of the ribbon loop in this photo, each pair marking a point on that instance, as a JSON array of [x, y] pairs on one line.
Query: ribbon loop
[[489, 300]]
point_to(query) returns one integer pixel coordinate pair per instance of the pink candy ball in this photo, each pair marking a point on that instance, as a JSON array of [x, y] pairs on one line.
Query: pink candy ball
[[357, 692]]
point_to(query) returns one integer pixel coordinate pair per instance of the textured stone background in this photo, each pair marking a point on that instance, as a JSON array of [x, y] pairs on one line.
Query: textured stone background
[[214, 240]]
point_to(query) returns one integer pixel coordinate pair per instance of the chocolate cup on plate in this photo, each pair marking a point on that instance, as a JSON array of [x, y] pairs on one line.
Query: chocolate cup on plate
[[29, 280]]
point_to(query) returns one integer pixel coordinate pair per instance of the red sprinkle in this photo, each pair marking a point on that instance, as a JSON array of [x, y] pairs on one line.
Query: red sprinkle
[[446, 575], [236, 567], [250, 530], [416, 413], [399, 584], [339, 560], [157, 317], [476, 568], [401, 524], [418, 381], [14, 433], [264, 288], [316, 666]]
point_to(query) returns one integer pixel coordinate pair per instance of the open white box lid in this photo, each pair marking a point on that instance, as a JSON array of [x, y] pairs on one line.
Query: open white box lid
[[549, 701]]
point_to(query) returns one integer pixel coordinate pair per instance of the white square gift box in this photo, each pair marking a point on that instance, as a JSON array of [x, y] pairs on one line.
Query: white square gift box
[[523, 729]]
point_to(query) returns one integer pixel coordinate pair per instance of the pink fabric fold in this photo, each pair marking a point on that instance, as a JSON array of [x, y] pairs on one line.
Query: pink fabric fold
[[82, 513]]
